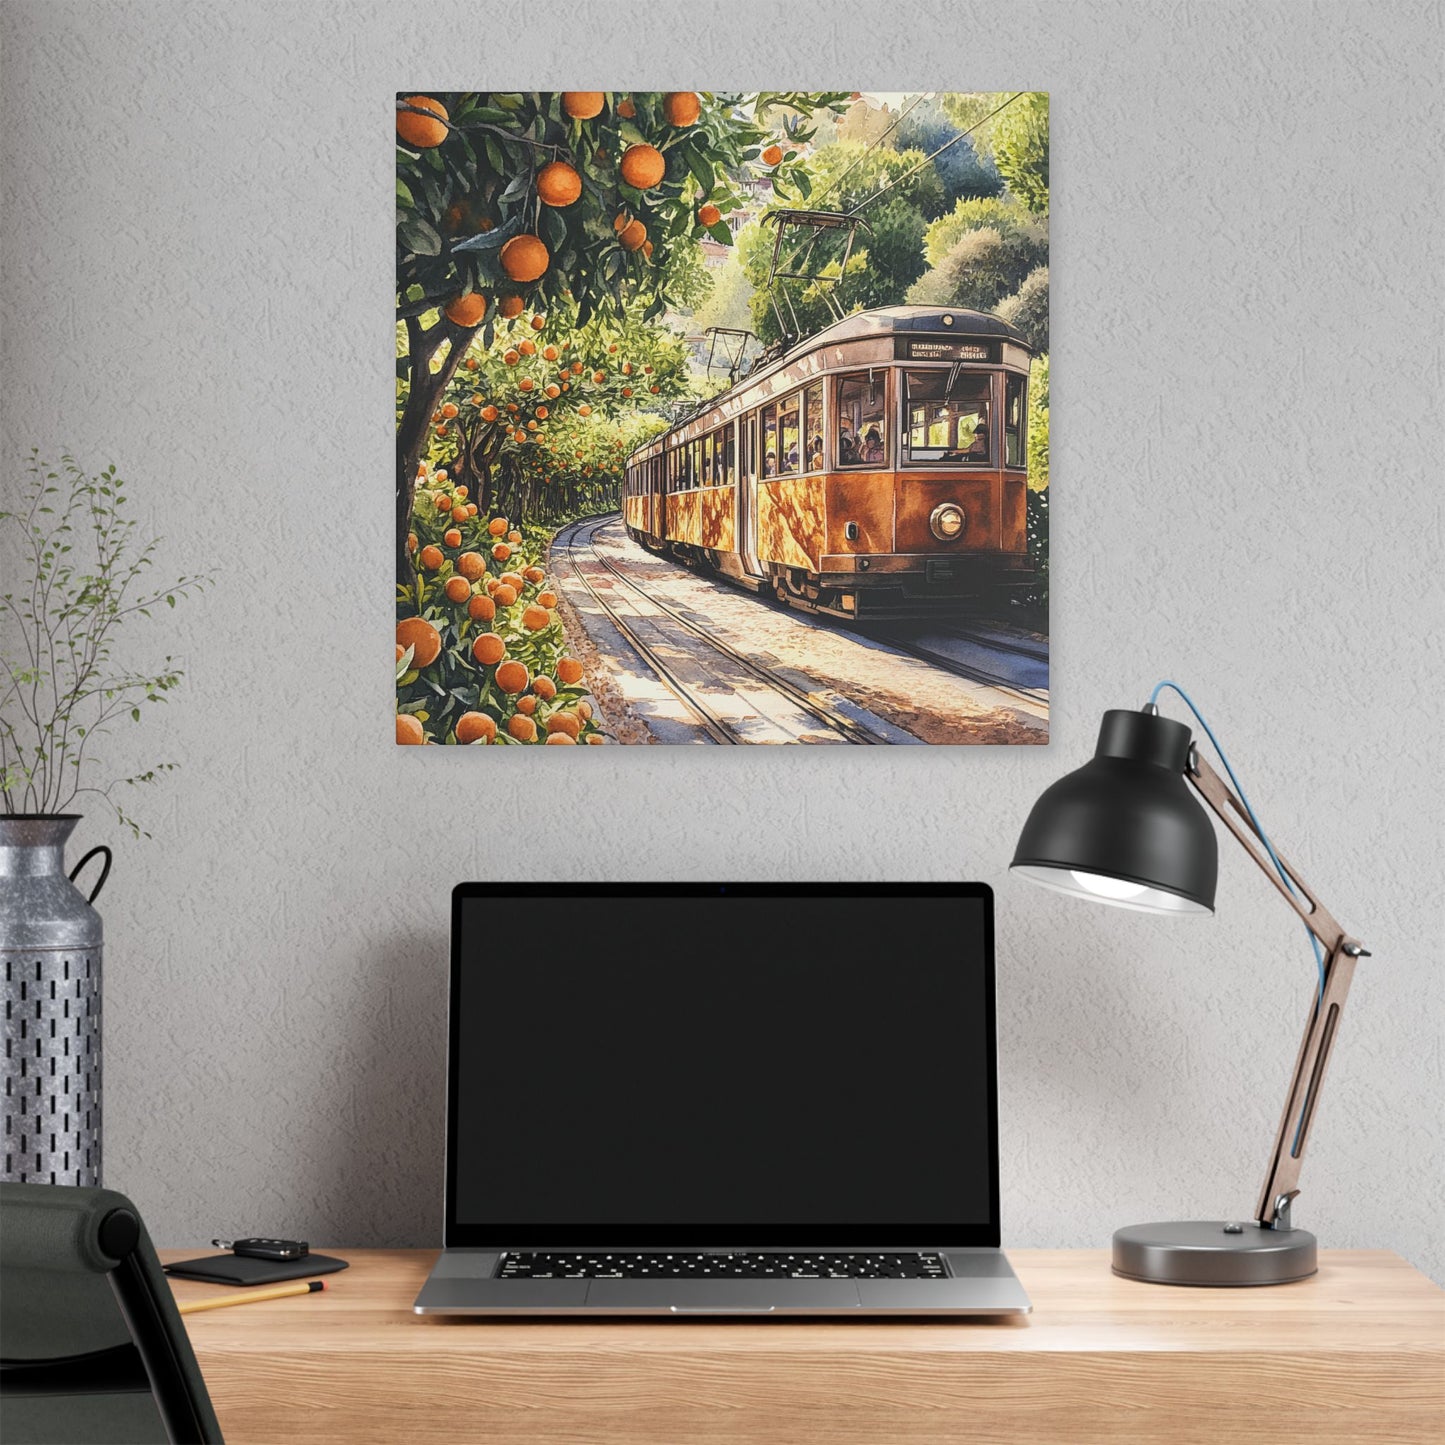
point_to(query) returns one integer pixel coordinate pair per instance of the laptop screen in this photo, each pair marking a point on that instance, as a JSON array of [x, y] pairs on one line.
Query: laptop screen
[[722, 1066]]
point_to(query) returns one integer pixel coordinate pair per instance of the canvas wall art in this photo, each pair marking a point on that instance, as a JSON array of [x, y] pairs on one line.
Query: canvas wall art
[[722, 418]]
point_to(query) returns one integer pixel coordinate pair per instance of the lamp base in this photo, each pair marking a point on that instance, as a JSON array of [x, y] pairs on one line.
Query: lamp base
[[1219, 1253]]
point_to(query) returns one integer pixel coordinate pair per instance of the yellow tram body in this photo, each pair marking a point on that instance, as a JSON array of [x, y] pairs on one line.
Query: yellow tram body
[[879, 469]]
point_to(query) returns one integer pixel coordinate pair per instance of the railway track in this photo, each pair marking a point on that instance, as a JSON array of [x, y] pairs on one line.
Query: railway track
[[714, 723]]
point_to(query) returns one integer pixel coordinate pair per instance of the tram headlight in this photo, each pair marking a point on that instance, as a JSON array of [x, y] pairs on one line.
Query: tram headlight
[[947, 522]]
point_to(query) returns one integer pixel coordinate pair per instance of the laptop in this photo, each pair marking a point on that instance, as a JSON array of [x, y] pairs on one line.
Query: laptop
[[691, 1100]]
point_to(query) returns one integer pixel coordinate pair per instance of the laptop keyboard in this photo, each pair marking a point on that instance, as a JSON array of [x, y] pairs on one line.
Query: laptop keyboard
[[686, 1265]]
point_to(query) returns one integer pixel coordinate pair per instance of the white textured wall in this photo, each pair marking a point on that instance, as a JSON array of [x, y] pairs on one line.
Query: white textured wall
[[1247, 263]]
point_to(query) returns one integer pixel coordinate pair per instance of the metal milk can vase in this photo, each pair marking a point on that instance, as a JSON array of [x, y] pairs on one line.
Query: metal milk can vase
[[50, 944]]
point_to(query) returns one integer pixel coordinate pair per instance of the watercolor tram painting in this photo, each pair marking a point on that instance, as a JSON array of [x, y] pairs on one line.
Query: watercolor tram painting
[[722, 418]]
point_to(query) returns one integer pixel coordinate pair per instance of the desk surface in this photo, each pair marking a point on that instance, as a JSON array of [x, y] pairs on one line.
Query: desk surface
[[1355, 1354]]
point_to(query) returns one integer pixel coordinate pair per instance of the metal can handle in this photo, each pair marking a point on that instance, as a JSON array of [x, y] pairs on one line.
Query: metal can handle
[[104, 872]]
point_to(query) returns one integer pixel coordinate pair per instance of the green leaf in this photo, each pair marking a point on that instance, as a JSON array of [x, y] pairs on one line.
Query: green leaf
[[418, 237], [403, 194], [135, 714]]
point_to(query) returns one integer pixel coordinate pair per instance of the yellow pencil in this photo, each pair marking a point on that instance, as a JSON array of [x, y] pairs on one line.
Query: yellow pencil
[[281, 1291]]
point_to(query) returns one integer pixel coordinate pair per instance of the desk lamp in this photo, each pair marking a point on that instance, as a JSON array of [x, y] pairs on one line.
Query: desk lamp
[[1125, 829]]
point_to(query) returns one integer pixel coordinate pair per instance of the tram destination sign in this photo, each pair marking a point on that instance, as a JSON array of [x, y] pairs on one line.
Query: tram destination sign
[[951, 350]]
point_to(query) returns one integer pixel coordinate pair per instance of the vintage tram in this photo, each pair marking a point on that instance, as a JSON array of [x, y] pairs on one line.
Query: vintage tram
[[878, 469]]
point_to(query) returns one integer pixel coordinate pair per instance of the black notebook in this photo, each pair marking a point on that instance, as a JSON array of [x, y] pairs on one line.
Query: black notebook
[[243, 1269]]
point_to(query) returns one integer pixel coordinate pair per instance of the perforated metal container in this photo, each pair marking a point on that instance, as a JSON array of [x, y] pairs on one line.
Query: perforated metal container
[[50, 951]]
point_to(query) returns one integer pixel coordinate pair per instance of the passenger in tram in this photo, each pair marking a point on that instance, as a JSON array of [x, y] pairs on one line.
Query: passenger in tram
[[793, 456], [770, 466], [872, 445], [815, 454], [979, 447], [847, 446]]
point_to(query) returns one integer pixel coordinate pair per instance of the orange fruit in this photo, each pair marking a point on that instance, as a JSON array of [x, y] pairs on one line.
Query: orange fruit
[[505, 594], [525, 258], [519, 435], [653, 390], [461, 491], [772, 155], [626, 109], [472, 506], [569, 670], [558, 184], [527, 348], [459, 514], [449, 411], [475, 726], [489, 648], [544, 687], [512, 676], [471, 565], [583, 104], [411, 541], [510, 306], [627, 368], [527, 705], [400, 652], [560, 740], [596, 739], [492, 584], [583, 410], [431, 558], [627, 391], [512, 579], [584, 710], [549, 353], [533, 574], [501, 551], [497, 526], [577, 368], [489, 413], [535, 618], [599, 376], [442, 430], [521, 727], [466, 311], [408, 729], [452, 537], [709, 215], [512, 357], [646, 251], [514, 536], [681, 108], [553, 390], [643, 166], [565, 722], [526, 383], [423, 639], [546, 599], [648, 370], [481, 609], [458, 589], [421, 131], [542, 414], [612, 350], [632, 235], [538, 322], [512, 406]]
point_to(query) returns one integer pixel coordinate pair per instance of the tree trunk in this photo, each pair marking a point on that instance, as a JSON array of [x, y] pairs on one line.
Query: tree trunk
[[423, 394]]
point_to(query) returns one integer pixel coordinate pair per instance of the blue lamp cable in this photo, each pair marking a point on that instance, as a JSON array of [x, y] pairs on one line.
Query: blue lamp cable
[[1268, 847]]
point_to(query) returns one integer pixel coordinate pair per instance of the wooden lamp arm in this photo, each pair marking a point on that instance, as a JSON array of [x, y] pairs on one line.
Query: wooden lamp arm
[[1281, 1183]]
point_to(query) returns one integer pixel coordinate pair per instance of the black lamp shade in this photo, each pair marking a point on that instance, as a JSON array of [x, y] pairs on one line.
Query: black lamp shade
[[1125, 828]]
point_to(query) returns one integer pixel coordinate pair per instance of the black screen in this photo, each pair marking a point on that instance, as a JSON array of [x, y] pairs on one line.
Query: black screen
[[726, 1066]]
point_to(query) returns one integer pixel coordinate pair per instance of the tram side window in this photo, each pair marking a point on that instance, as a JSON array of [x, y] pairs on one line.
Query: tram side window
[[725, 445], [813, 429], [745, 426], [770, 441], [708, 447], [949, 424], [789, 445], [861, 429], [1013, 421]]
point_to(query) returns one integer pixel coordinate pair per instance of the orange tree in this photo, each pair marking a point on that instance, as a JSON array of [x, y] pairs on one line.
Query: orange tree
[[522, 201], [506, 398]]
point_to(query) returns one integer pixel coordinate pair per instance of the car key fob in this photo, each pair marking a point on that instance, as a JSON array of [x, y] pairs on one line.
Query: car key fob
[[279, 1249]]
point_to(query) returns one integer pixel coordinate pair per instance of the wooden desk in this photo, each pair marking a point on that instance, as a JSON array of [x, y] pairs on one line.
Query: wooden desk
[[1356, 1354]]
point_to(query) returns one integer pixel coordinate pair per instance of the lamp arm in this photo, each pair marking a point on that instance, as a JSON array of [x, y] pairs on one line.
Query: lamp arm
[[1281, 1183]]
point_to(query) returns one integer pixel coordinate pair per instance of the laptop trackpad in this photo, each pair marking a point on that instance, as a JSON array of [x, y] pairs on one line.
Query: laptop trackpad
[[695, 1296]]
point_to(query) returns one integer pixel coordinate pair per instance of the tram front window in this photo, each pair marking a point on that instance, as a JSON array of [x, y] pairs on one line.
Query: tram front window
[[860, 421], [949, 424]]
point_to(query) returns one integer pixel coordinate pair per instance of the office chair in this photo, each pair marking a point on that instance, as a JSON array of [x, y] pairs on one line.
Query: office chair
[[92, 1348]]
